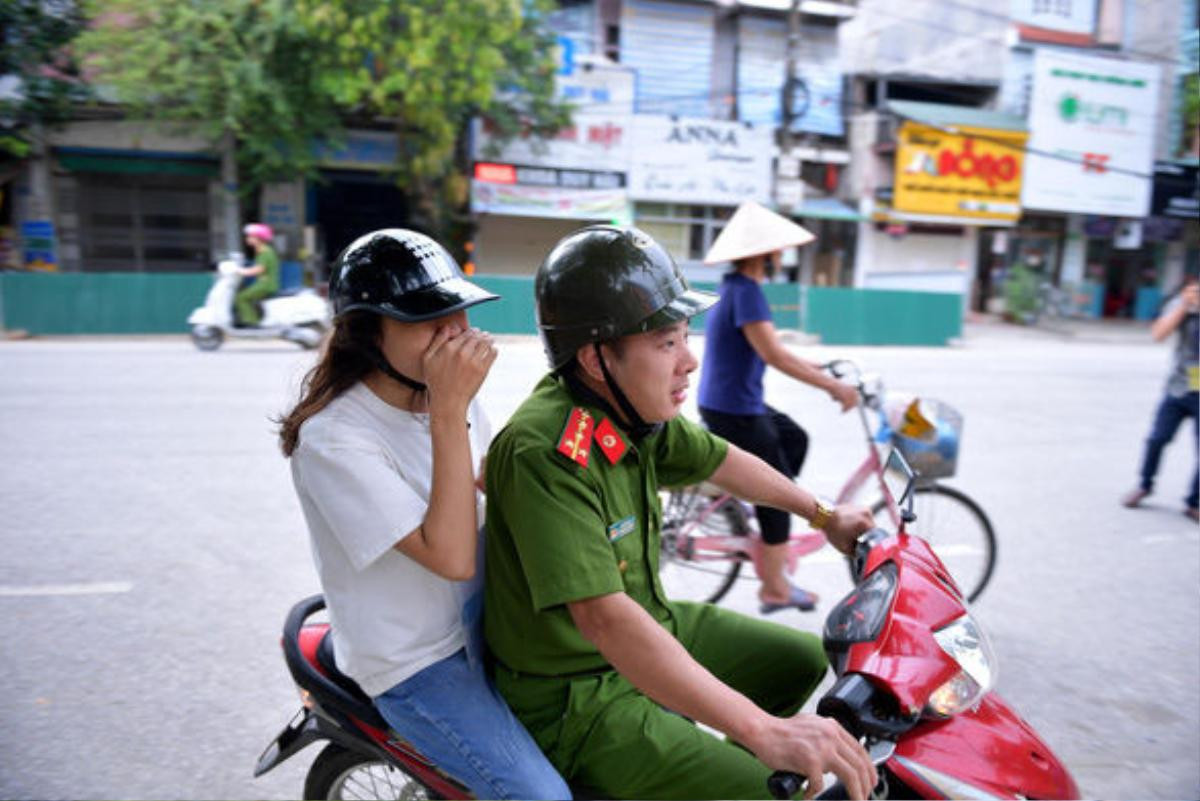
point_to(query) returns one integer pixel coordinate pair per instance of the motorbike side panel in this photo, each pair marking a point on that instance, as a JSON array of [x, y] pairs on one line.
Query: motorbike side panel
[[990, 748], [299, 309]]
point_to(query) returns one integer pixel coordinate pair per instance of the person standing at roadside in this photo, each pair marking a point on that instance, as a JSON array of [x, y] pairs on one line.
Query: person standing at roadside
[[1180, 315], [265, 271], [740, 343]]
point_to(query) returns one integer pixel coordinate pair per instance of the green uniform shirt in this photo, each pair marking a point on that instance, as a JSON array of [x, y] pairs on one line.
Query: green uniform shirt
[[270, 263], [563, 529]]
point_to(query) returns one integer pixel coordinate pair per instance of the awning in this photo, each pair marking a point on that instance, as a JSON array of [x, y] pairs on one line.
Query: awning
[[940, 115], [147, 163], [826, 208]]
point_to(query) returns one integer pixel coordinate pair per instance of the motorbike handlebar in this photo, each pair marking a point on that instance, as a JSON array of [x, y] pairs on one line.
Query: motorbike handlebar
[[784, 784]]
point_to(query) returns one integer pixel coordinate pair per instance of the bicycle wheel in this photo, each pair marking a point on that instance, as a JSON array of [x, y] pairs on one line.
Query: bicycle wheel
[[957, 529], [689, 571]]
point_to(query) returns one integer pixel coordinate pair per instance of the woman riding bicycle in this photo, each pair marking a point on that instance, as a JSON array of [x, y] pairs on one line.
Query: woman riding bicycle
[[740, 341]]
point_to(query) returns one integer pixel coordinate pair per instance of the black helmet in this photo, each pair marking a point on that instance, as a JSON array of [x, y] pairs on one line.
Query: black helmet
[[401, 274], [603, 282]]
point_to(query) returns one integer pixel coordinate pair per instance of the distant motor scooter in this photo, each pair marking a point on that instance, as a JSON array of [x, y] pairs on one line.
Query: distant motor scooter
[[298, 315]]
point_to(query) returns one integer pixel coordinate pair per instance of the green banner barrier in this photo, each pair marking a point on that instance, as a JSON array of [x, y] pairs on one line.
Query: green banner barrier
[[882, 316], [141, 303]]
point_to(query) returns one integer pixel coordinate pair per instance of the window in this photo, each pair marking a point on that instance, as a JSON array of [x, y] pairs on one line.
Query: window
[[687, 232], [143, 223]]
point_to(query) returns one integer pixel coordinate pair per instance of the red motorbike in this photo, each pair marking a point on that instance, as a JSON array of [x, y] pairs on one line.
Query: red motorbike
[[915, 676]]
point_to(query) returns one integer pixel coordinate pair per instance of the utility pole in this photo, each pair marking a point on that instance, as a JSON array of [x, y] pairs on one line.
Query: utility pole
[[789, 76], [789, 190]]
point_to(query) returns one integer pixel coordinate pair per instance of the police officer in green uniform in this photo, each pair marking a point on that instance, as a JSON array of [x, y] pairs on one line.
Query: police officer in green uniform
[[603, 669], [265, 271]]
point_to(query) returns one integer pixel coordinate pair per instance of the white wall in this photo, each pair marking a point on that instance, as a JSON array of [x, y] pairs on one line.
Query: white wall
[[517, 245], [920, 262]]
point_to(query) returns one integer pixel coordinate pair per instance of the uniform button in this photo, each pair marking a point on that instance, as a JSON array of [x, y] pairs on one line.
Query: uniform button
[[622, 565]]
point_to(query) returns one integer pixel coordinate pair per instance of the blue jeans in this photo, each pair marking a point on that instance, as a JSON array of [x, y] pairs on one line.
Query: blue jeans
[[453, 715], [1171, 413]]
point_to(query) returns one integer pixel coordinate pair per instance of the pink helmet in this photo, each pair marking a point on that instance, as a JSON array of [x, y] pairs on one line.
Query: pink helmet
[[260, 231]]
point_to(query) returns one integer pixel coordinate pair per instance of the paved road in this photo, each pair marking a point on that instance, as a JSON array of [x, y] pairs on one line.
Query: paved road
[[152, 546]]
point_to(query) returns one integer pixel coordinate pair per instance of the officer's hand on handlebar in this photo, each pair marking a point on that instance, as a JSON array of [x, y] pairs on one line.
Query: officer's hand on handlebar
[[813, 746], [845, 526]]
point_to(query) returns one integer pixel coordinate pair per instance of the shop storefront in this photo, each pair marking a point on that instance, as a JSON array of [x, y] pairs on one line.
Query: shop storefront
[[955, 195], [123, 198], [1092, 123]]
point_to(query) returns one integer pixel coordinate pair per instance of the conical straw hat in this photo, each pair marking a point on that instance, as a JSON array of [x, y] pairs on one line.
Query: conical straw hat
[[754, 229]]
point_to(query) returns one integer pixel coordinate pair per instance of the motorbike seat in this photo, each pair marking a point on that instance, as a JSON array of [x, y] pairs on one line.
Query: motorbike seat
[[286, 292], [327, 663]]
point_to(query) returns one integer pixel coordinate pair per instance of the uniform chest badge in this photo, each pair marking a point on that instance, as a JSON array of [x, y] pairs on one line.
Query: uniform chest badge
[[610, 442], [576, 440], [621, 528]]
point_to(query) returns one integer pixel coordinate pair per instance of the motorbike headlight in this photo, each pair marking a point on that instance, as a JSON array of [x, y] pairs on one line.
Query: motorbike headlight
[[968, 646]]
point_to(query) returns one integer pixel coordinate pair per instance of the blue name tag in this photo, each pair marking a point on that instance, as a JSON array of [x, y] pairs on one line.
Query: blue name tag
[[620, 528]]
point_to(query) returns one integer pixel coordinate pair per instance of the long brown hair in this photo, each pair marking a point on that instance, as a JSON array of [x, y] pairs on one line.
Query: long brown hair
[[344, 361]]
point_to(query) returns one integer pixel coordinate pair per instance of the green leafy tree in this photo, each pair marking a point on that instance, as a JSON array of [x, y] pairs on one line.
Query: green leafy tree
[[430, 66], [240, 72], [39, 81]]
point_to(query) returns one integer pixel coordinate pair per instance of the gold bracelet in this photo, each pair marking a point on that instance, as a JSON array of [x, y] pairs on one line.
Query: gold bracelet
[[821, 517]]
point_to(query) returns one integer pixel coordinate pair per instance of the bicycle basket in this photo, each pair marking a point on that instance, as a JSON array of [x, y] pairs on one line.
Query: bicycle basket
[[927, 434]]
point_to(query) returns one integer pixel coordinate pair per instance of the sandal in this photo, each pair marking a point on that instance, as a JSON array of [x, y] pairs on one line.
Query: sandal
[[801, 599]]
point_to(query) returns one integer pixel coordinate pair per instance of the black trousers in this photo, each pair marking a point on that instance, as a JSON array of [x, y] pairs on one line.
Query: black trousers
[[776, 439]]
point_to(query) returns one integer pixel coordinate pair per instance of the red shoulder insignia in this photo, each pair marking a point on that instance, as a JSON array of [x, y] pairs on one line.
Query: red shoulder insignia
[[576, 440], [610, 442]]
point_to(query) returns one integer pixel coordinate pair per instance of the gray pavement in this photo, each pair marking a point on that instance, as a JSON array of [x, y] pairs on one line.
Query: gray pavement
[[153, 544]]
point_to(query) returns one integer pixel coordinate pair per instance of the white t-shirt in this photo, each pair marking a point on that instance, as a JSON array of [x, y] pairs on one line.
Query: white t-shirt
[[363, 470]]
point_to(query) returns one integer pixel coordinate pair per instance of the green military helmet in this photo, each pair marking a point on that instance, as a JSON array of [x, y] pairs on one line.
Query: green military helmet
[[604, 282]]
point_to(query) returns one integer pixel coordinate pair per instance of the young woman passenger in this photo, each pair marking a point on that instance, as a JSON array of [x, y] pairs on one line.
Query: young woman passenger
[[384, 444]]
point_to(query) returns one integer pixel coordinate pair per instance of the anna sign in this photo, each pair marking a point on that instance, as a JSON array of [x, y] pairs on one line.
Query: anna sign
[[973, 173]]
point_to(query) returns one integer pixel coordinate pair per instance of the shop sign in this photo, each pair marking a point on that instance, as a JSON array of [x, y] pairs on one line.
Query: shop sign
[[37, 245], [974, 174], [1068, 16], [548, 201], [699, 161], [525, 175], [1176, 191], [593, 141], [1095, 227], [363, 150], [1091, 143], [1162, 229]]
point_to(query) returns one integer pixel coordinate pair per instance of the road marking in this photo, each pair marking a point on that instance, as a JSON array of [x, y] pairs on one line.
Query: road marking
[[95, 588], [1154, 539]]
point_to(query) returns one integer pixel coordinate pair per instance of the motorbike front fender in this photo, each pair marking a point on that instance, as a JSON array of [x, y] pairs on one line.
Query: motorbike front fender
[[988, 752]]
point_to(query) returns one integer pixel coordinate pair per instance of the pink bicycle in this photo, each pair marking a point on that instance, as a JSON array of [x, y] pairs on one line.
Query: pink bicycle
[[707, 536]]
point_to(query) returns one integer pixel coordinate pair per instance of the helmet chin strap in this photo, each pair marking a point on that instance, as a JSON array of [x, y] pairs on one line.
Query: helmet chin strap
[[638, 427], [379, 360]]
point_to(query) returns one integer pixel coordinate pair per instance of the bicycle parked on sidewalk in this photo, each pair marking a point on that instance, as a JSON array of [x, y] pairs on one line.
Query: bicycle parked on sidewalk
[[707, 536]]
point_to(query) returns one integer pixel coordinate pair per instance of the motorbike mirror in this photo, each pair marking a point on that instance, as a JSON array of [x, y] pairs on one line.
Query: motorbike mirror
[[899, 479]]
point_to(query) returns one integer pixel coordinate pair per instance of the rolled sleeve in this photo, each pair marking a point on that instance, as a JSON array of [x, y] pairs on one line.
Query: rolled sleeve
[[365, 502]]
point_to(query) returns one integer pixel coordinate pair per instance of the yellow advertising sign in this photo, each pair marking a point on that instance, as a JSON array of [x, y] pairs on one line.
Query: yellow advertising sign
[[974, 174]]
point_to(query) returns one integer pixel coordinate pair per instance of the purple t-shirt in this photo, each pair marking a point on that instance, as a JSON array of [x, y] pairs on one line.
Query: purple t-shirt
[[731, 378]]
